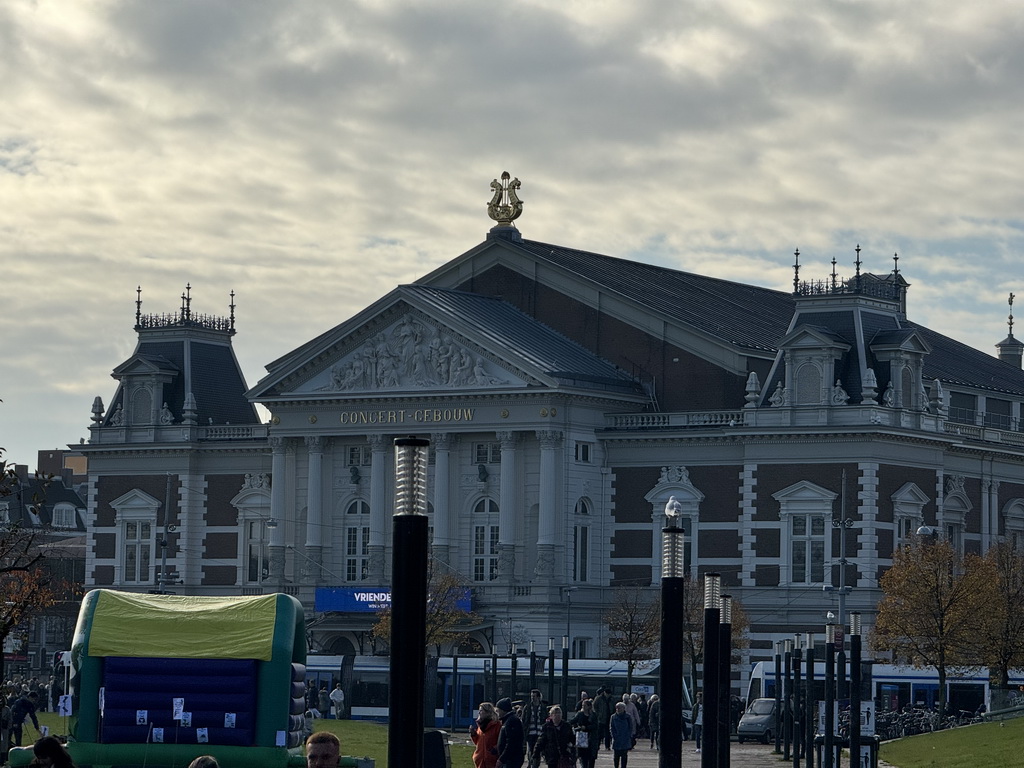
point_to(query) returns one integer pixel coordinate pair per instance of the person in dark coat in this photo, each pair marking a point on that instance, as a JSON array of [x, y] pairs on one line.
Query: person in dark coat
[[603, 709], [586, 728], [556, 741], [654, 721], [511, 739]]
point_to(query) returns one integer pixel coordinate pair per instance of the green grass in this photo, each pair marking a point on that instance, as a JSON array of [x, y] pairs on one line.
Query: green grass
[[358, 739], [986, 745]]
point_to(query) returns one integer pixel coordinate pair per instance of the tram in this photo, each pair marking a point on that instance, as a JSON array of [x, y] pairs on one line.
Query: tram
[[462, 682]]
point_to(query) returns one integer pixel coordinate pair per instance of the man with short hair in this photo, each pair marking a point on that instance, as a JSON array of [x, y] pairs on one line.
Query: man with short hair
[[511, 740], [20, 709], [534, 715], [338, 700], [603, 707], [323, 750]]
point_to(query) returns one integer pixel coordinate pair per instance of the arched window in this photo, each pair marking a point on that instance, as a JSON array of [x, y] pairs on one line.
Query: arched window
[[581, 541], [485, 540], [357, 540]]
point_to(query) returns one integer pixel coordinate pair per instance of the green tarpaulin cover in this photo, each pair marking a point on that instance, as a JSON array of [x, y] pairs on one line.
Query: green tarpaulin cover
[[130, 624]]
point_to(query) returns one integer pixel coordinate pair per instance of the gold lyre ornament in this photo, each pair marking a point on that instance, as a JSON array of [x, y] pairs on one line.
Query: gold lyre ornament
[[505, 207]]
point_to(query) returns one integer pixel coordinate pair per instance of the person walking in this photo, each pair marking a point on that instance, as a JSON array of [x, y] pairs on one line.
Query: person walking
[[511, 740], [484, 733], [585, 726], [654, 721], [24, 707], [556, 740], [603, 708], [621, 726], [697, 718], [534, 715], [338, 701]]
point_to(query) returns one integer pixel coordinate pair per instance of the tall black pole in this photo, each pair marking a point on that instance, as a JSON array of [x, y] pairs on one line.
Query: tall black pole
[[514, 653], [709, 730], [408, 603], [810, 706], [778, 697], [533, 664], [494, 677], [830, 696], [724, 680], [855, 681], [798, 734], [551, 671], [672, 608], [455, 691], [567, 707], [787, 698]]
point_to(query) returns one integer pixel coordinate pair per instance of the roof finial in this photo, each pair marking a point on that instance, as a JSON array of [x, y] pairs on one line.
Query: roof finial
[[796, 271], [138, 306], [232, 306], [188, 300], [833, 274], [505, 206], [857, 286], [896, 266], [1011, 315]]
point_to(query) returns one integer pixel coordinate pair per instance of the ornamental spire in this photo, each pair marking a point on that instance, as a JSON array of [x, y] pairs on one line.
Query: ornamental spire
[[505, 206]]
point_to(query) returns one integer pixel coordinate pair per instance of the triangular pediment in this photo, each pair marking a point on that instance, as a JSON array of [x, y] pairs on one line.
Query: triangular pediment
[[902, 339], [144, 365], [813, 337], [412, 352]]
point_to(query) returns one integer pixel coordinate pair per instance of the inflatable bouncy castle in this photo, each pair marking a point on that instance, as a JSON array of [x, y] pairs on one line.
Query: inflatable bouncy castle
[[158, 679]]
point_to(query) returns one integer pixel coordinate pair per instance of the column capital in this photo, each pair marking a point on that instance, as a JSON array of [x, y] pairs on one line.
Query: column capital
[[316, 443], [377, 442], [277, 443], [442, 441], [549, 438], [507, 439]]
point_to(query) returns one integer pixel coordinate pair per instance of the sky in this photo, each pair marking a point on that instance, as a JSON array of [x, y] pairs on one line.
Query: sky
[[312, 156]]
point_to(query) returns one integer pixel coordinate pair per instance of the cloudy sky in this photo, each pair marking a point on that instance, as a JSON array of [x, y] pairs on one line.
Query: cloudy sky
[[311, 156]]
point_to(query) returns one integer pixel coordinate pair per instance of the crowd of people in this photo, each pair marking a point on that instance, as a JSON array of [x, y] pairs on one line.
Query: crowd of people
[[532, 733]]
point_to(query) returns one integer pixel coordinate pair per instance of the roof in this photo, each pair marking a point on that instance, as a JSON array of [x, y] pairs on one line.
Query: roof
[[738, 314], [956, 363]]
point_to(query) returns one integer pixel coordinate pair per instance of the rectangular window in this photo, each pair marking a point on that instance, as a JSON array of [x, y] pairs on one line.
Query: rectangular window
[[63, 516], [999, 413], [581, 553], [962, 407], [138, 545], [808, 553], [359, 456], [955, 536], [485, 552], [255, 552], [487, 453], [583, 452], [579, 648], [357, 550]]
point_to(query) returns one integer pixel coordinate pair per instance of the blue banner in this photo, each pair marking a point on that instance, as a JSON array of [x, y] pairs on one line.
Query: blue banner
[[366, 599]]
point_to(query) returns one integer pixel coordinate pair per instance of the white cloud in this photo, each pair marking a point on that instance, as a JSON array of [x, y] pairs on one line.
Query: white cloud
[[312, 156]]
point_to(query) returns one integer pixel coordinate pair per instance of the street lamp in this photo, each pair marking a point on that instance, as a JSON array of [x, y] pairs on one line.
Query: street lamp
[[409, 599], [797, 710], [568, 614], [712, 618], [724, 679], [778, 697], [672, 605], [830, 690], [809, 702], [787, 694], [855, 681]]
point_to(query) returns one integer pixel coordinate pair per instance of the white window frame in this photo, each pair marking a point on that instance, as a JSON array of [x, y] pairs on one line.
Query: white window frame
[[953, 518], [358, 456], [487, 453], [484, 538], [135, 508], [584, 452], [1013, 524], [253, 507], [907, 513], [806, 500], [355, 542], [63, 515]]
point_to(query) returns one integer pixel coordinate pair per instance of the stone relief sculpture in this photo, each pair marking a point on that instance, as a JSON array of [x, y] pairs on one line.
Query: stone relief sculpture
[[839, 396], [259, 480], [780, 397], [166, 417], [412, 355], [117, 420], [889, 396], [674, 475]]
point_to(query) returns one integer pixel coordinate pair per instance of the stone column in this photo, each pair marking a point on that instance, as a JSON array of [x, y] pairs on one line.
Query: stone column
[[441, 442], [547, 525], [507, 506], [379, 475], [312, 569], [275, 548]]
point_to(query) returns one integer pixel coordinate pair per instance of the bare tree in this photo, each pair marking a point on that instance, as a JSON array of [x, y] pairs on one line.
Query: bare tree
[[1003, 625], [634, 626]]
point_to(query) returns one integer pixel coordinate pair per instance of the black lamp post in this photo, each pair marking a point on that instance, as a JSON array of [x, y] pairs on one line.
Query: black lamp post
[[533, 664], [567, 707], [778, 697], [798, 734], [408, 601], [709, 740], [828, 756], [787, 695], [514, 653], [551, 671], [671, 681], [809, 703], [855, 681], [724, 680]]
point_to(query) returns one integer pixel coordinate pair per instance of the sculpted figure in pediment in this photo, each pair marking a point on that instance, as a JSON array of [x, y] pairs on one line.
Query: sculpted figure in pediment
[[412, 355]]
